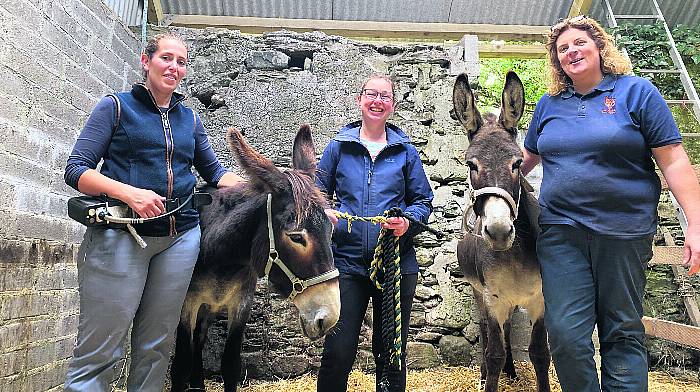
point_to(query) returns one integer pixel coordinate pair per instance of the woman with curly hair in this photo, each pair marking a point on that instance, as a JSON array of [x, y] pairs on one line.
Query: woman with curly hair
[[598, 133]]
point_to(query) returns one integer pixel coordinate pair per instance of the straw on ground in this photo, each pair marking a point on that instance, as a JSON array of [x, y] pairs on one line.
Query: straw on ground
[[457, 379]]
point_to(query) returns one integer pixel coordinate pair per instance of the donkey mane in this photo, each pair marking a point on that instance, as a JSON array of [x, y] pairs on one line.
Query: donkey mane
[[247, 198], [306, 194], [491, 118]]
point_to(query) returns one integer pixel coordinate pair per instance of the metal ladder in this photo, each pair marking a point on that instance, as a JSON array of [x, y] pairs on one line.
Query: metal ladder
[[680, 69]]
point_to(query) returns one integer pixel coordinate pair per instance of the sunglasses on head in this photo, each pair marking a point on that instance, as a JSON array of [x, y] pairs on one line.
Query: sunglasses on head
[[562, 21]]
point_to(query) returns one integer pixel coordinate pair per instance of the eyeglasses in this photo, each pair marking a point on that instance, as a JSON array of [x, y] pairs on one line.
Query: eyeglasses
[[562, 21], [374, 94]]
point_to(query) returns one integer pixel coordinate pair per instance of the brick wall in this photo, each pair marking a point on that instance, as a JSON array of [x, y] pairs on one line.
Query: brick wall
[[57, 58]]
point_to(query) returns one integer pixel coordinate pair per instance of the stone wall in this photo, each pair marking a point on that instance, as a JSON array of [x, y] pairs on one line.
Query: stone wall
[[57, 58], [268, 85]]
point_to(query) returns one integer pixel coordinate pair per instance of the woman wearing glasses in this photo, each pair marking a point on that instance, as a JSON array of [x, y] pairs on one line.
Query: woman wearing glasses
[[598, 133], [370, 166]]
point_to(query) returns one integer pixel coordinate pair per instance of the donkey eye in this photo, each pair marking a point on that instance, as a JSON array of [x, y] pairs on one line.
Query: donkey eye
[[472, 166], [297, 237], [516, 164]]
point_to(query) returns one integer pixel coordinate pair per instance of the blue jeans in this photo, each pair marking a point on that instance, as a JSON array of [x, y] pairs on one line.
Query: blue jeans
[[119, 282], [589, 280], [340, 346]]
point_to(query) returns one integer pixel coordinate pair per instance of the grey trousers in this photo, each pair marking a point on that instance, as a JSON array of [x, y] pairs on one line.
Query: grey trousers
[[120, 283]]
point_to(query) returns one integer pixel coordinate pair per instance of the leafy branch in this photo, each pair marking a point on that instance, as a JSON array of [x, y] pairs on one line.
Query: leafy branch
[[648, 48]]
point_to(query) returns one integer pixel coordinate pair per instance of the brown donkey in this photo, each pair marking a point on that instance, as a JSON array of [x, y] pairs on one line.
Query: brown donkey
[[497, 253], [272, 225]]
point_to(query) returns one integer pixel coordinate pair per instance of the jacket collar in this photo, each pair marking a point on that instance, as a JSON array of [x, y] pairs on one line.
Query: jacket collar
[[607, 84], [351, 133], [142, 94]]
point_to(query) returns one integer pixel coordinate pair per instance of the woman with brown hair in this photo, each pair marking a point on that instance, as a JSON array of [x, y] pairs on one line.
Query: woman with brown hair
[[369, 167], [598, 133], [148, 142]]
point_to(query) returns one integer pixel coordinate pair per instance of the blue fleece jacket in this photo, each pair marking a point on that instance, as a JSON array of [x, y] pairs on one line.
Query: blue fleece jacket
[[151, 148], [367, 188]]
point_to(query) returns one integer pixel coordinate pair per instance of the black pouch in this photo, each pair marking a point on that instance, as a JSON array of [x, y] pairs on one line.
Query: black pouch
[[91, 210]]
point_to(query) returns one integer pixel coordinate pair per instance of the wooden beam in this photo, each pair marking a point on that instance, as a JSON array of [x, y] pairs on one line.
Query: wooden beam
[[669, 255], [155, 12], [579, 7], [491, 50], [685, 288], [349, 28], [676, 332]]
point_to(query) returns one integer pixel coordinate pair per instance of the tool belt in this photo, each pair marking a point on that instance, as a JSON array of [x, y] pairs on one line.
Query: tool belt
[[103, 210]]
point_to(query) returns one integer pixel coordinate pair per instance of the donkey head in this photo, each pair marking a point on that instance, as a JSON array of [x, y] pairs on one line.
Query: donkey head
[[302, 231], [494, 158]]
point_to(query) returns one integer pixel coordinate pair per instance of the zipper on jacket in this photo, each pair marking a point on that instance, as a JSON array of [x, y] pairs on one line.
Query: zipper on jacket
[[365, 212], [169, 150]]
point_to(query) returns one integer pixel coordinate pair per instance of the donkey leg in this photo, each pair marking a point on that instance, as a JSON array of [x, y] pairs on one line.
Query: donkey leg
[[539, 354], [483, 331], [231, 360], [204, 319], [237, 318], [495, 354], [182, 361], [509, 367]]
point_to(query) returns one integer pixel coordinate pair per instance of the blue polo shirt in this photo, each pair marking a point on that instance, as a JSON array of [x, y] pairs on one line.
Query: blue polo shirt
[[596, 155]]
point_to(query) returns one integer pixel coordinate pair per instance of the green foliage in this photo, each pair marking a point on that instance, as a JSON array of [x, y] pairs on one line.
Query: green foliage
[[647, 46], [492, 78], [688, 43]]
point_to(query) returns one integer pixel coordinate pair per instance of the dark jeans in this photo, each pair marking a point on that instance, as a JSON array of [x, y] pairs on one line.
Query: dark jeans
[[340, 346], [590, 280]]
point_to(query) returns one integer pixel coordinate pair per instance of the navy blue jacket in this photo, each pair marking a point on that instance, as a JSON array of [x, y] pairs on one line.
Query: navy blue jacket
[[151, 148], [365, 188]]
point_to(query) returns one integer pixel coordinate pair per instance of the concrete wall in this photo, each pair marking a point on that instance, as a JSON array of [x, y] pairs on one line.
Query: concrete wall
[[57, 58]]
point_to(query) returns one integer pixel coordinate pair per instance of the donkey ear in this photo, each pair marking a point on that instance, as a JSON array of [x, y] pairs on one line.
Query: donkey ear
[[261, 171], [303, 153], [464, 108], [512, 102]]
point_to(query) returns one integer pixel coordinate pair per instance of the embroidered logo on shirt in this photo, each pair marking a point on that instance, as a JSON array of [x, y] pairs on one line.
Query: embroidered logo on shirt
[[609, 105]]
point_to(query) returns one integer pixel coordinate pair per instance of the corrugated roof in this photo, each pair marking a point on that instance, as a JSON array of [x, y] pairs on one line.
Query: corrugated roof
[[509, 12], [675, 12], [130, 11]]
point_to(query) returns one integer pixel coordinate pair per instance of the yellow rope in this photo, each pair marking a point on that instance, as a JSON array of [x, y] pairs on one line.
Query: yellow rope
[[350, 218], [379, 264]]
